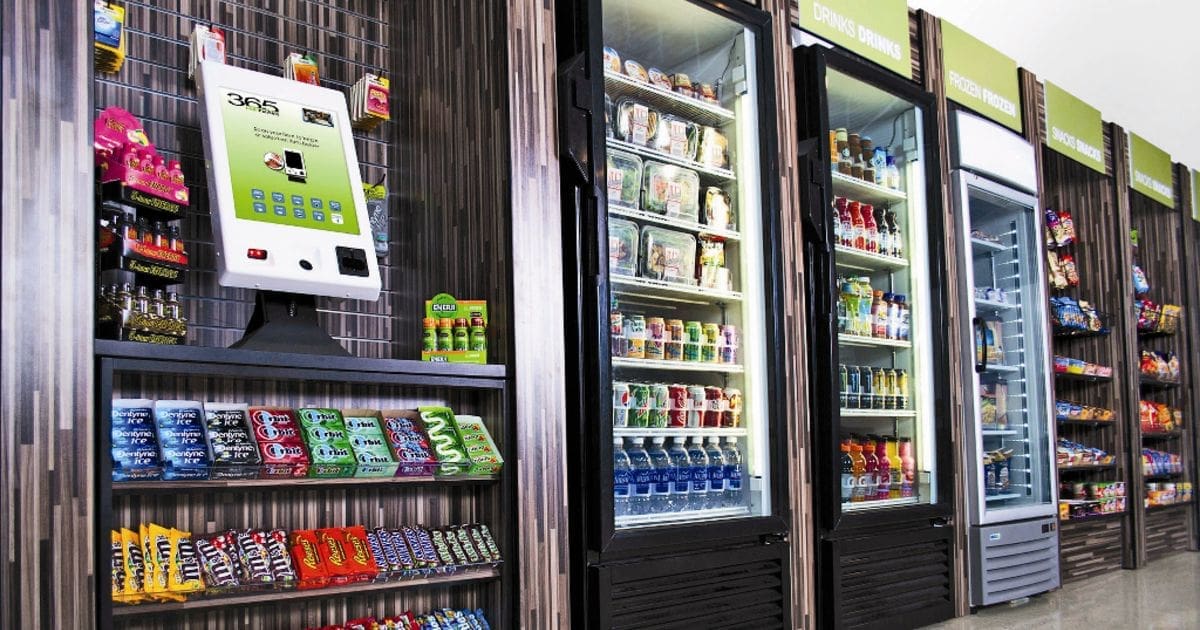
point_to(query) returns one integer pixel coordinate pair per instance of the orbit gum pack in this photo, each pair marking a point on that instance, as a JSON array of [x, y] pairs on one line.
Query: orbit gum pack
[[485, 457], [183, 448], [445, 440], [231, 441], [134, 440], [277, 434], [409, 444], [329, 447], [369, 443]]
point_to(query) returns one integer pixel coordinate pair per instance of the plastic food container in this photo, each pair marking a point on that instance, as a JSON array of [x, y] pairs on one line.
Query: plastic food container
[[636, 122], [676, 137], [671, 190], [714, 148], [668, 255], [718, 209], [624, 179], [622, 247]]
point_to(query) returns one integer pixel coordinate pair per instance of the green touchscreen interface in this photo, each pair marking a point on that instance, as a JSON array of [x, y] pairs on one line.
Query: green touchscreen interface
[[287, 163]]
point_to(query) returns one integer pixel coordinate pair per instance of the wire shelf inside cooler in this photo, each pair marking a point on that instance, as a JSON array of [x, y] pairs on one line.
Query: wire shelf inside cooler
[[856, 506]]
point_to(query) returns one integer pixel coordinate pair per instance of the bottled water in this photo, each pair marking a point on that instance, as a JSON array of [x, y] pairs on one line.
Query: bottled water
[[664, 477], [698, 495], [733, 472], [641, 489], [683, 474], [716, 473], [621, 479]]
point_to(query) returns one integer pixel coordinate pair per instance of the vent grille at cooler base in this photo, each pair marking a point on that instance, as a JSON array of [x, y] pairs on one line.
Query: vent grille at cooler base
[[724, 589], [1013, 560], [894, 584]]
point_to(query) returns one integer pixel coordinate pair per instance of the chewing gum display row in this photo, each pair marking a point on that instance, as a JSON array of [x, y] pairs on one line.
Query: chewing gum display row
[[443, 619], [186, 440], [161, 564]]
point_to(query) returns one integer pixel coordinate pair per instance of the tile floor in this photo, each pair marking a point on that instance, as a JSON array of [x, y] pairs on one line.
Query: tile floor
[[1164, 595]]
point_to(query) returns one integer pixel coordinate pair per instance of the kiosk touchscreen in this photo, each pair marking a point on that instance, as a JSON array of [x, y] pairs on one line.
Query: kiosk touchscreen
[[287, 203]]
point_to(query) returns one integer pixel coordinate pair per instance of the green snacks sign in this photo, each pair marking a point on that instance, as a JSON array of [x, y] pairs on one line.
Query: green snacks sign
[[1150, 171], [875, 29], [1074, 128], [980, 77]]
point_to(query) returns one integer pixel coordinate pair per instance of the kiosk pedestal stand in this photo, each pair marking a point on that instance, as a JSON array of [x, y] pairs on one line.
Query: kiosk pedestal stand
[[287, 322]]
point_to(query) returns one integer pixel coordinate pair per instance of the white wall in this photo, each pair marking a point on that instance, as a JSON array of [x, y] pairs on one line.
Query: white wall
[[1137, 61]]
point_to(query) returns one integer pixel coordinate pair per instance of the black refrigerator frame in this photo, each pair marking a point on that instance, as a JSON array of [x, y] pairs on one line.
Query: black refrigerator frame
[[835, 532], [593, 539]]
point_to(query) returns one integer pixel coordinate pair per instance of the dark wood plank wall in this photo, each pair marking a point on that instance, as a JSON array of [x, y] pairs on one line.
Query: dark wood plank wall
[[931, 63], [349, 39], [46, 237], [795, 313], [537, 322], [1190, 270], [1087, 549]]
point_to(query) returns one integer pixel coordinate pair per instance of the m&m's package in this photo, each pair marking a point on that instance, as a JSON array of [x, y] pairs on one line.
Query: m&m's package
[[183, 448], [369, 443], [329, 447], [443, 436], [277, 434], [485, 457], [134, 440], [231, 441], [409, 444]]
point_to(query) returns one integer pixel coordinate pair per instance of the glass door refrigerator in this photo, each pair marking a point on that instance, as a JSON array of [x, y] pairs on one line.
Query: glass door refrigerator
[[1008, 445], [878, 393], [678, 508]]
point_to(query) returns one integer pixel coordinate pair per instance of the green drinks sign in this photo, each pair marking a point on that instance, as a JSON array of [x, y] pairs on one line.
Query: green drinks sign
[[875, 29], [980, 77], [1074, 128], [1150, 171]]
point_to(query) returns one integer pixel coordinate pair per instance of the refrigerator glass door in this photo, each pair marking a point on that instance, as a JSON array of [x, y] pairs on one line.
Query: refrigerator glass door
[[884, 296], [688, 291], [1011, 461]]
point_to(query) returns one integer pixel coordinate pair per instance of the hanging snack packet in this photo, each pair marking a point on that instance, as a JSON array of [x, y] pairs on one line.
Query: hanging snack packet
[[1068, 228], [206, 44], [1141, 285], [302, 68], [1055, 227], [108, 22], [1058, 279], [1068, 266]]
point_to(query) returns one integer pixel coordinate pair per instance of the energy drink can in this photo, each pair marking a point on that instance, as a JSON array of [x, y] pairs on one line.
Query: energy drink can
[[901, 389], [866, 396], [889, 388], [843, 385], [879, 386], [853, 387]]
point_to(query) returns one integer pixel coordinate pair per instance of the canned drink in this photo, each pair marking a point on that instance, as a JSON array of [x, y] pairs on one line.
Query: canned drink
[[708, 353], [656, 331], [901, 389], [691, 351], [616, 327], [660, 396], [866, 396], [889, 389], [713, 399], [621, 394], [880, 388], [675, 340], [677, 396], [635, 337], [693, 332], [620, 417], [640, 401], [659, 418], [843, 385], [853, 387], [731, 417], [729, 333], [696, 398], [711, 332], [675, 330], [673, 351]]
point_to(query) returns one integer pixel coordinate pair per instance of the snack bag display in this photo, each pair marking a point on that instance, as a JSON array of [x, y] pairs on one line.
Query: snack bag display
[[307, 560], [235, 454], [134, 439], [329, 450], [359, 556], [409, 443], [220, 568], [156, 549], [186, 572], [302, 68], [134, 566], [331, 544], [443, 436], [254, 559], [182, 444], [370, 102], [481, 449], [369, 443], [108, 27], [277, 434], [622, 247]]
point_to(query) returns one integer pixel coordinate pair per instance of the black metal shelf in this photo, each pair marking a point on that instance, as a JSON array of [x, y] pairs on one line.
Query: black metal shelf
[[1163, 476], [1086, 468], [1162, 435], [1071, 333], [1082, 378], [1153, 508], [1087, 423], [1154, 382], [1090, 519], [294, 484]]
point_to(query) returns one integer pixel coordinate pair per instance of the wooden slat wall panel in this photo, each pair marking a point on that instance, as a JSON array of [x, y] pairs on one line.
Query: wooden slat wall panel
[[288, 509], [349, 40], [46, 293], [1190, 268], [931, 56], [1091, 198], [1167, 532], [1090, 548], [537, 320], [795, 314]]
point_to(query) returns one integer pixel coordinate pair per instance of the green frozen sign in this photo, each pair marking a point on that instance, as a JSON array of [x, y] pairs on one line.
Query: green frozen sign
[[877, 30], [1150, 171], [1074, 128], [980, 77]]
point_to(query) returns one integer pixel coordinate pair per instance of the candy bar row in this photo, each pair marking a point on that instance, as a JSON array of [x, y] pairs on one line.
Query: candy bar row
[[157, 563], [186, 440], [444, 619]]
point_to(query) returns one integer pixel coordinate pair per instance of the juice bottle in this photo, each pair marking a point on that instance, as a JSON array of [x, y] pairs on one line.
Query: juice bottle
[[879, 320], [847, 221], [837, 223], [858, 468], [897, 241], [847, 472], [893, 172], [902, 327], [894, 464], [885, 470], [858, 235], [907, 468], [871, 475], [429, 336], [864, 307], [884, 246], [850, 300], [893, 316], [870, 228]]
